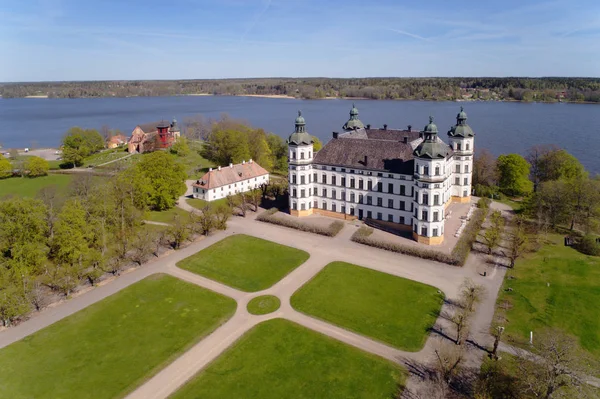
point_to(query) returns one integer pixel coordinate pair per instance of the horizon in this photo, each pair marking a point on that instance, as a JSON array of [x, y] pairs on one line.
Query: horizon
[[70, 41]]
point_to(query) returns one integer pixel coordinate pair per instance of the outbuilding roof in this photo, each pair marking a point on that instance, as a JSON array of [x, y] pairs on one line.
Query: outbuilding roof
[[230, 174]]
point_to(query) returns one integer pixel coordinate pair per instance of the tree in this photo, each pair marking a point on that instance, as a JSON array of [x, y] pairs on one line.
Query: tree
[[179, 231], [254, 198], [79, 143], [180, 147], [513, 172], [548, 162], [491, 238], [279, 151], [205, 220], [471, 294], [143, 245], [221, 213], [36, 167], [517, 243], [5, 167], [555, 366], [157, 181], [259, 149], [446, 365], [461, 319], [317, 144], [484, 169]]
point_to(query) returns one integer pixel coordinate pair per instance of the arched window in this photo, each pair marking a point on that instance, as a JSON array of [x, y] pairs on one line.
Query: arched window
[[437, 170]]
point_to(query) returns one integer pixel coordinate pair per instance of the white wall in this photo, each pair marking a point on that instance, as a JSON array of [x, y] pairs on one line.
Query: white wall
[[231, 189]]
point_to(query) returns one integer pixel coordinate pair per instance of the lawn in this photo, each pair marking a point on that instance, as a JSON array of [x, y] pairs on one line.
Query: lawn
[[390, 309], [246, 263], [264, 304], [200, 203], [280, 359], [111, 347], [29, 187], [104, 156], [195, 164], [570, 302], [166, 216]]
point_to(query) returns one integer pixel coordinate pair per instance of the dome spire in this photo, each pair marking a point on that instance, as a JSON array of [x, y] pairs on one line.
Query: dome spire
[[300, 123], [353, 123]]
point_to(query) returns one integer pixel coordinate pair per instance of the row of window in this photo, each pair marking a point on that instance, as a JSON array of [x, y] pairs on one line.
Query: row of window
[[425, 199], [301, 155], [354, 183], [437, 216], [353, 198], [424, 170], [434, 231]]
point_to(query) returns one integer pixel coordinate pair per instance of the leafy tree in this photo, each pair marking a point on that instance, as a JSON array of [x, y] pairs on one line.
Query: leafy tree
[[180, 147], [179, 231], [157, 181], [317, 144], [279, 150], [517, 243], [513, 175], [548, 162], [36, 167], [144, 243], [260, 150], [79, 143], [5, 167], [13, 303]]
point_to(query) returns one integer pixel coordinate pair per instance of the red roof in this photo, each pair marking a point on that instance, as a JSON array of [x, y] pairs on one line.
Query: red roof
[[230, 175]]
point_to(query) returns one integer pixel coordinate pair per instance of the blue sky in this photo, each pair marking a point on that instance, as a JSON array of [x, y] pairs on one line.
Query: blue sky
[[193, 39]]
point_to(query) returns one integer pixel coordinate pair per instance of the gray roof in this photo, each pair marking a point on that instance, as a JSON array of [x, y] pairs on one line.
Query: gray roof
[[433, 149], [461, 129]]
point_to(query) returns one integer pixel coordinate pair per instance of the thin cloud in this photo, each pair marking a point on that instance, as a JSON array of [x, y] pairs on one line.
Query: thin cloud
[[414, 36], [258, 17]]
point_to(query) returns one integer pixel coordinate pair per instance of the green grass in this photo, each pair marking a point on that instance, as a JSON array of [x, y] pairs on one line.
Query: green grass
[[390, 309], [570, 302], [166, 216], [279, 359], [109, 348], [264, 304], [194, 164], [246, 263], [29, 187], [200, 203], [105, 156]]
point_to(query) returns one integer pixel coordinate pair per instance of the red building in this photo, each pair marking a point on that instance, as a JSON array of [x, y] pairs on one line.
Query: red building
[[153, 136]]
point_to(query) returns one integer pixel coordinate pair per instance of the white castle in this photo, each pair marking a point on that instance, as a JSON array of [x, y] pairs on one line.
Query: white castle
[[404, 177]]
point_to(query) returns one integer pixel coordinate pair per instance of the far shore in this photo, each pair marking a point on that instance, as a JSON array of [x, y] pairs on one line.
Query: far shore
[[38, 96]]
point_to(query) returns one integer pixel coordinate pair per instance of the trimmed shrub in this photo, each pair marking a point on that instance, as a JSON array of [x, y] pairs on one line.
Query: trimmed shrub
[[465, 242], [588, 245], [330, 231]]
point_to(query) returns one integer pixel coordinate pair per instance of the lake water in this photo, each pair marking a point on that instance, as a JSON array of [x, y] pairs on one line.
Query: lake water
[[499, 127]]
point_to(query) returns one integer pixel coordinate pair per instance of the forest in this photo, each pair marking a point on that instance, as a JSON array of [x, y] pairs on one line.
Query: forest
[[547, 89]]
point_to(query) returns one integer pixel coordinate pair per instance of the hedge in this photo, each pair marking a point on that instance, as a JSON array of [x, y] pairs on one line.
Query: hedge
[[457, 257], [330, 231]]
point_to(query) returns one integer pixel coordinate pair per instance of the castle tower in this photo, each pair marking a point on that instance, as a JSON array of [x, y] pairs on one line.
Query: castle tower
[[429, 193], [300, 158], [462, 139], [353, 123]]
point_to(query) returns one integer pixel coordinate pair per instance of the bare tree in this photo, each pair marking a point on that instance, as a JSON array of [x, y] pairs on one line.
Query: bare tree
[[517, 244], [143, 245], [254, 198], [180, 230], [447, 363], [491, 238], [221, 216], [471, 294], [461, 321], [205, 220]]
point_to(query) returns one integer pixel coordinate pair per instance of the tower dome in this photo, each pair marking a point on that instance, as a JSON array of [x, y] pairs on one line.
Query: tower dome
[[431, 147], [300, 136], [461, 129], [430, 127], [353, 123]]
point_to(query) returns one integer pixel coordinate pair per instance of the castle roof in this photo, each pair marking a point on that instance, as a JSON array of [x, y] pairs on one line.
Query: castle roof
[[300, 136], [230, 175], [461, 129]]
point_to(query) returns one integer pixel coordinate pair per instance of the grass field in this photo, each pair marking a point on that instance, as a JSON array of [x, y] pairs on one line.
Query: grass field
[[102, 157], [390, 309], [166, 216], [264, 304], [246, 263], [570, 302], [111, 347], [279, 359], [26, 187], [200, 203], [195, 164]]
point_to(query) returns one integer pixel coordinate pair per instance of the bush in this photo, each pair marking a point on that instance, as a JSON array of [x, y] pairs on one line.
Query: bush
[[465, 242], [363, 236], [588, 245], [269, 217], [36, 166]]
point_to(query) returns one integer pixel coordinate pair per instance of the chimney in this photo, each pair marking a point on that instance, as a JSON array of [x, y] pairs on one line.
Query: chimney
[[210, 169], [410, 128], [219, 167], [420, 135], [335, 135], [385, 126], [250, 161], [368, 126], [405, 139], [231, 165], [366, 159]]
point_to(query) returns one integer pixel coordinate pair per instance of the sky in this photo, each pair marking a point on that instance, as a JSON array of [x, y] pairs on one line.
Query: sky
[[49, 40]]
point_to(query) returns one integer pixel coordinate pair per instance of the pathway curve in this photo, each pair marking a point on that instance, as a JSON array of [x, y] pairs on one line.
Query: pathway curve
[[323, 250]]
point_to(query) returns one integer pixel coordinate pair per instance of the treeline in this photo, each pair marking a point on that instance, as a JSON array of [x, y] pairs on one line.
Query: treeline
[[554, 188], [511, 88]]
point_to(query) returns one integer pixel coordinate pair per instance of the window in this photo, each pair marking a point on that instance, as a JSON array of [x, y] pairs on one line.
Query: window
[[360, 184], [435, 232], [294, 193], [380, 187], [369, 214], [402, 189], [343, 209], [302, 193], [424, 215], [324, 177], [379, 216], [343, 181], [424, 231], [360, 198], [390, 203], [352, 182], [466, 180], [468, 146], [315, 192], [466, 168], [457, 168], [302, 207], [352, 197], [437, 170], [302, 179], [380, 174], [457, 181], [402, 220], [333, 207], [464, 193], [458, 147], [301, 155], [369, 185], [402, 205], [351, 211], [369, 200], [415, 228], [390, 188], [333, 180], [294, 206], [334, 169], [324, 192], [333, 193], [436, 199], [390, 218], [293, 155], [379, 201], [425, 199], [343, 169], [315, 204], [426, 170], [324, 205], [309, 154], [315, 177], [436, 217]]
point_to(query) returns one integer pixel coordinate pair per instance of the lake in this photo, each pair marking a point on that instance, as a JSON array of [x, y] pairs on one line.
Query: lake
[[501, 127]]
